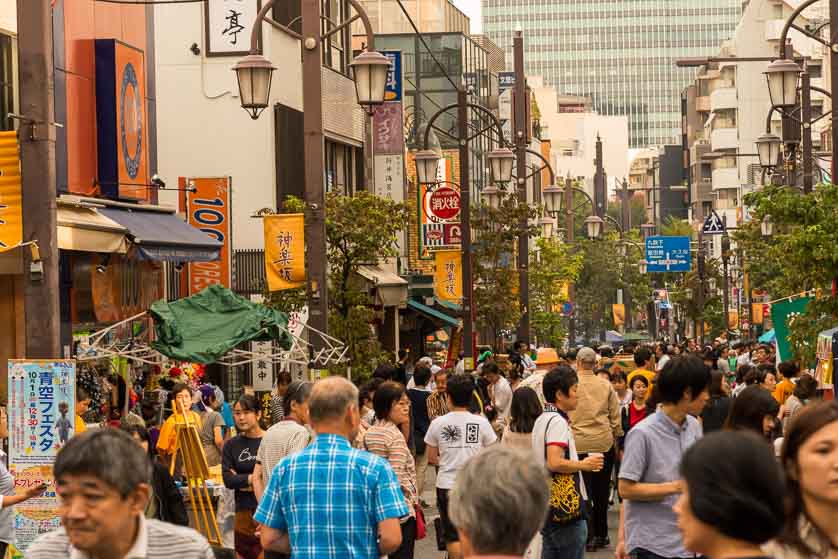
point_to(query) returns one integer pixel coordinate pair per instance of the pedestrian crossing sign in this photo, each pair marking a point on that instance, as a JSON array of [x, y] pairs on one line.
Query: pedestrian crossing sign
[[713, 225]]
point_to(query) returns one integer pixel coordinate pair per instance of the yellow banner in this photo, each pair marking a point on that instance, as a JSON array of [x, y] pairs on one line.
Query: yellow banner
[[284, 251], [733, 319], [758, 313], [11, 212], [448, 279], [619, 312]]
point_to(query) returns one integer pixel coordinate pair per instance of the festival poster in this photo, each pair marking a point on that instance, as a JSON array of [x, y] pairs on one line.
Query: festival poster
[[41, 416]]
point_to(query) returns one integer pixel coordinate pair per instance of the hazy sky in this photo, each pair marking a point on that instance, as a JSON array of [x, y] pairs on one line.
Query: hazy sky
[[472, 10]]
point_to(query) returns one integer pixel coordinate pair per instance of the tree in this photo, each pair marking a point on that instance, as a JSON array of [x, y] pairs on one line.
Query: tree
[[494, 263], [675, 227], [360, 229], [552, 264], [637, 211]]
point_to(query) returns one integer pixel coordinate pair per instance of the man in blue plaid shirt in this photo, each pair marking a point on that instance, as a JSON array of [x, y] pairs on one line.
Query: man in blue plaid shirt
[[331, 500]]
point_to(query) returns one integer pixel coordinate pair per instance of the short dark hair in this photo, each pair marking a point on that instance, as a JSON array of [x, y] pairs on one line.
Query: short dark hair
[[643, 380], [642, 355], [606, 351], [387, 395], [519, 344], [384, 372], [735, 485], [126, 467], [750, 408], [619, 375], [132, 428], [248, 402], [716, 379], [82, 394], [571, 354], [283, 378], [806, 388], [490, 368], [180, 387], [421, 375], [788, 369], [561, 379], [459, 388], [681, 373], [757, 375]]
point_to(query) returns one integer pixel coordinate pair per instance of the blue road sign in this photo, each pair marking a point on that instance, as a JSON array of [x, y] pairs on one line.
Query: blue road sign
[[668, 254], [567, 308]]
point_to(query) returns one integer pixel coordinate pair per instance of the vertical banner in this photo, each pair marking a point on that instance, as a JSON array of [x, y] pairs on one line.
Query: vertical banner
[[393, 87], [262, 369], [389, 177], [732, 319], [208, 209], [448, 279], [41, 419], [619, 314], [284, 251], [782, 314], [388, 129], [11, 212], [758, 313]]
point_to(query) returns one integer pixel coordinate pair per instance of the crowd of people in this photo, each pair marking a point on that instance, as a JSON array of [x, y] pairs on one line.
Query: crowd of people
[[711, 452]]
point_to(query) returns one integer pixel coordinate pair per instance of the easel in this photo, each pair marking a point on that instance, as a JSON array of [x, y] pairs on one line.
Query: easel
[[196, 472]]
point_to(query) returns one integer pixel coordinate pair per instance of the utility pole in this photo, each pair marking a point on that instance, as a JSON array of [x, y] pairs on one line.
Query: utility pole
[[465, 212], [521, 141], [600, 190], [38, 182], [315, 214], [726, 280], [626, 207], [699, 330], [571, 237], [833, 59], [806, 118]]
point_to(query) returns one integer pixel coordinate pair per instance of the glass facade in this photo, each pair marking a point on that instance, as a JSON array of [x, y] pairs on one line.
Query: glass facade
[[620, 53]]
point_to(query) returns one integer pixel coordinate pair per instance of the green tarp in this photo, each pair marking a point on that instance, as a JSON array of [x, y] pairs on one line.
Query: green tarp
[[780, 314], [204, 327]]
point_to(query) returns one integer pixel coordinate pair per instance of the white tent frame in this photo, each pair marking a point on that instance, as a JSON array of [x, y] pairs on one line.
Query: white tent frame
[[106, 343]]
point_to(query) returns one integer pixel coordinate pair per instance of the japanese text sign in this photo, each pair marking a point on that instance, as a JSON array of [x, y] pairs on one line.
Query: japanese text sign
[[208, 209], [448, 279], [41, 419], [11, 216], [284, 251], [388, 132], [393, 86], [262, 368], [228, 25], [668, 254], [389, 177]]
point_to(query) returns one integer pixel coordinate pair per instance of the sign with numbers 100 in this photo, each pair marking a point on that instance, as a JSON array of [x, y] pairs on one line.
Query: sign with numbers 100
[[208, 209]]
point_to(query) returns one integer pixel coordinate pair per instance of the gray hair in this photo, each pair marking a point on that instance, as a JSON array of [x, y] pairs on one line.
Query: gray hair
[[331, 398], [109, 455], [499, 501]]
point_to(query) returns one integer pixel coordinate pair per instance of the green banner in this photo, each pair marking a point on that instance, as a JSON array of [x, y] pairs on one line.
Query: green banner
[[780, 315]]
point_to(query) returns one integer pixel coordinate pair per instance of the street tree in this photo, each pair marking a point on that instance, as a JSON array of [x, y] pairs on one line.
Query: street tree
[[553, 264]]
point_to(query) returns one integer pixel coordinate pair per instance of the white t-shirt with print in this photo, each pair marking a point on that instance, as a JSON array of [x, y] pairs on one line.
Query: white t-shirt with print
[[459, 436], [560, 434]]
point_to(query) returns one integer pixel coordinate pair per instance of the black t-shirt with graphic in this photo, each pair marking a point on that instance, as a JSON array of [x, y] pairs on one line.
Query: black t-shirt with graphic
[[237, 461]]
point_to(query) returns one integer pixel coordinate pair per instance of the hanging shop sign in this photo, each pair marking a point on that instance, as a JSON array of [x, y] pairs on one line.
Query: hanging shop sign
[[439, 208], [388, 130], [448, 278], [227, 26], [284, 251], [41, 420], [121, 123], [393, 87], [208, 209], [11, 213], [389, 177]]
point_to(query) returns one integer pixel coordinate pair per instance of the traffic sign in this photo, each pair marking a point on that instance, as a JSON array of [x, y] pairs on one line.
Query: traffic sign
[[567, 309], [713, 225], [668, 254]]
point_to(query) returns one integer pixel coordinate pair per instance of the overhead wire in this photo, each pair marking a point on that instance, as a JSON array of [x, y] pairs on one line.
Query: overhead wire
[[425, 44], [150, 2]]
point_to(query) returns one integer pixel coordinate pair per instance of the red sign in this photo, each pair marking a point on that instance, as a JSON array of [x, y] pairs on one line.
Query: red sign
[[208, 209], [444, 203], [452, 234]]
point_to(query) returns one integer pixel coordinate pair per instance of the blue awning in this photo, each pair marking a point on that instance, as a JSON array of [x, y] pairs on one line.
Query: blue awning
[[432, 313], [164, 236]]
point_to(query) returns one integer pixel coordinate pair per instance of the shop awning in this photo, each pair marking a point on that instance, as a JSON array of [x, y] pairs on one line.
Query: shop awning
[[84, 229], [432, 313], [164, 236], [448, 305], [391, 289]]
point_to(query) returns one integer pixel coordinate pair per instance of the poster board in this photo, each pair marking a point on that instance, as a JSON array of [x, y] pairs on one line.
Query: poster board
[[41, 416]]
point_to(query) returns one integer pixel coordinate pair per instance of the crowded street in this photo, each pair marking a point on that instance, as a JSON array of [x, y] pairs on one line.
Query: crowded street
[[418, 279]]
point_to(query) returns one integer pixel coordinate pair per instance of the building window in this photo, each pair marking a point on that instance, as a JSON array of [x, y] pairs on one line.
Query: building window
[[344, 168], [337, 48], [7, 80]]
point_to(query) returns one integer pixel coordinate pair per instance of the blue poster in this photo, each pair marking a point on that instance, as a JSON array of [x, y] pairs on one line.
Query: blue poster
[[668, 254], [393, 87]]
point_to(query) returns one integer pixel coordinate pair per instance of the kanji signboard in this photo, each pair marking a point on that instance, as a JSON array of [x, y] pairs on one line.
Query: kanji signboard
[[284, 251], [668, 254], [228, 24], [439, 214]]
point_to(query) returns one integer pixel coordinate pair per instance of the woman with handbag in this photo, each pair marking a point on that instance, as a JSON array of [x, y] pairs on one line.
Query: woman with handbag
[[384, 438]]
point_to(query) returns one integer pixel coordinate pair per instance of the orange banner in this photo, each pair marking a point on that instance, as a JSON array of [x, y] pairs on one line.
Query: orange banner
[[448, 279], [285, 251], [733, 319], [208, 209], [758, 312], [619, 312], [11, 212]]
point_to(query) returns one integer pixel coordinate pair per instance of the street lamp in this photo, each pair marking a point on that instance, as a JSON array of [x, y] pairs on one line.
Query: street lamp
[[254, 73], [491, 194], [552, 196], [548, 225], [767, 226], [427, 165], [643, 266], [370, 72], [782, 76], [647, 230], [594, 224], [768, 149], [501, 161]]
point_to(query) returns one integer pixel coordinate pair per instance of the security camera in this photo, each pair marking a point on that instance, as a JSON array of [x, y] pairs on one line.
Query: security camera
[[158, 182]]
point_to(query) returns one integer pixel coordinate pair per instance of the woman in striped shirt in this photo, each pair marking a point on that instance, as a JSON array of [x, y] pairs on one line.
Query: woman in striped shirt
[[384, 438]]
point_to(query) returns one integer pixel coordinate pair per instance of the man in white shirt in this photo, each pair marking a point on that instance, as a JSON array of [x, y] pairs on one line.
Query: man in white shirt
[[451, 441], [662, 356], [501, 390]]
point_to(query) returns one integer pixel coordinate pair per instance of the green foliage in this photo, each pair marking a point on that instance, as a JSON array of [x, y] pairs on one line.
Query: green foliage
[[685, 295], [637, 211], [675, 227], [495, 235], [801, 255], [551, 264]]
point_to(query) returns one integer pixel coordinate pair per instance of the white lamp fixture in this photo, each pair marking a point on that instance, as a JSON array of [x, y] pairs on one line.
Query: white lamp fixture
[[427, 164], [501, 161], [552, 196], [491, 194], [782, 76], [369, 70], [767, 226], [548, 227], [768, 149], [254, 73], [593, 224]]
